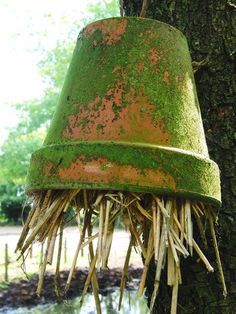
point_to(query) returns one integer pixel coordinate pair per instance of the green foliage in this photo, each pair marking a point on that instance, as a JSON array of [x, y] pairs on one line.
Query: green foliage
[[4, 285], [54, 64], [103, 9], [36, 114], [16, 153], [12, 199]]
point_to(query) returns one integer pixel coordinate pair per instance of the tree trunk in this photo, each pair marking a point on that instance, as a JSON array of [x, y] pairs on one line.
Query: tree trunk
[[209, 26]]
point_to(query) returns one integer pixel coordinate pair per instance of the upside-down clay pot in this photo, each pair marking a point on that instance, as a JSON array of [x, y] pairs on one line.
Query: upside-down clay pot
[[128, 117]]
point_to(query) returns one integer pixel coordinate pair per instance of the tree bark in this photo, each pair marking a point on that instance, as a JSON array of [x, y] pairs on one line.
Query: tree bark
[[209, 26]]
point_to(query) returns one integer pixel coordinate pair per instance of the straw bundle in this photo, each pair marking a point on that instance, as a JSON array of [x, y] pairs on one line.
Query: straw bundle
[[161, 227]]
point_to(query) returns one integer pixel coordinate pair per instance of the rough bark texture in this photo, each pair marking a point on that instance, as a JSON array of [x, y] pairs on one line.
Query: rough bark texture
[[209, 26]]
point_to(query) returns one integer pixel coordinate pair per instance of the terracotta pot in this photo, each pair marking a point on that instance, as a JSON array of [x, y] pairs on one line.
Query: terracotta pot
[[128, 116]]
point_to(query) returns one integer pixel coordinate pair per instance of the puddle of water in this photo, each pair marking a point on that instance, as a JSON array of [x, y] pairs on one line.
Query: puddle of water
[[109, 305]]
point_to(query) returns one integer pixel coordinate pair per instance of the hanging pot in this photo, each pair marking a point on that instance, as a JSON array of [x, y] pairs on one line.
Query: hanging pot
[[126, 139], [128, 117]]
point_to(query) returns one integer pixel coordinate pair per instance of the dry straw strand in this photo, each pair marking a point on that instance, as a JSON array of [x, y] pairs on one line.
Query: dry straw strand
[[161, 227]]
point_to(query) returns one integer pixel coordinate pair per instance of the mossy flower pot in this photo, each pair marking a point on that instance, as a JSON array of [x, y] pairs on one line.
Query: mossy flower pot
[[128, 117]]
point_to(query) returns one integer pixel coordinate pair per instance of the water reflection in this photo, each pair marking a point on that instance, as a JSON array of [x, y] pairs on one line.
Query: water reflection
[[109, 304]]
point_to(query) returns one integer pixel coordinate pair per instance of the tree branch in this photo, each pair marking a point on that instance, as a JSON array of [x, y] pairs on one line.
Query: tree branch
[[144, 8]]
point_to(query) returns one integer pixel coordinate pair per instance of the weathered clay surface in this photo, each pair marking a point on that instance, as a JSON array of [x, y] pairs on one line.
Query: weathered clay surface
[[101, 165], [130, 80], [130, 95]]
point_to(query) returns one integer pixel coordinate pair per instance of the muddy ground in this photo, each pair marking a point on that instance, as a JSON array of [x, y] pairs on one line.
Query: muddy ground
[[22, 293]]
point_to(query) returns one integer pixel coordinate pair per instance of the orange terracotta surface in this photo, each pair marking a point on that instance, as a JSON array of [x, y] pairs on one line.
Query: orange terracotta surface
[[153, 56], [47, 169], [140, 66], [166, 77], [134, 121], [102, 170], [112, 31]]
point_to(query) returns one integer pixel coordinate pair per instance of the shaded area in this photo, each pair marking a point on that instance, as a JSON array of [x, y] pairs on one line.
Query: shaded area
[[210, 31], [22, 293]]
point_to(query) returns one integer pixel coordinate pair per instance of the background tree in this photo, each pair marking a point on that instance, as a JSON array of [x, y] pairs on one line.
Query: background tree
[[210, 30]]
